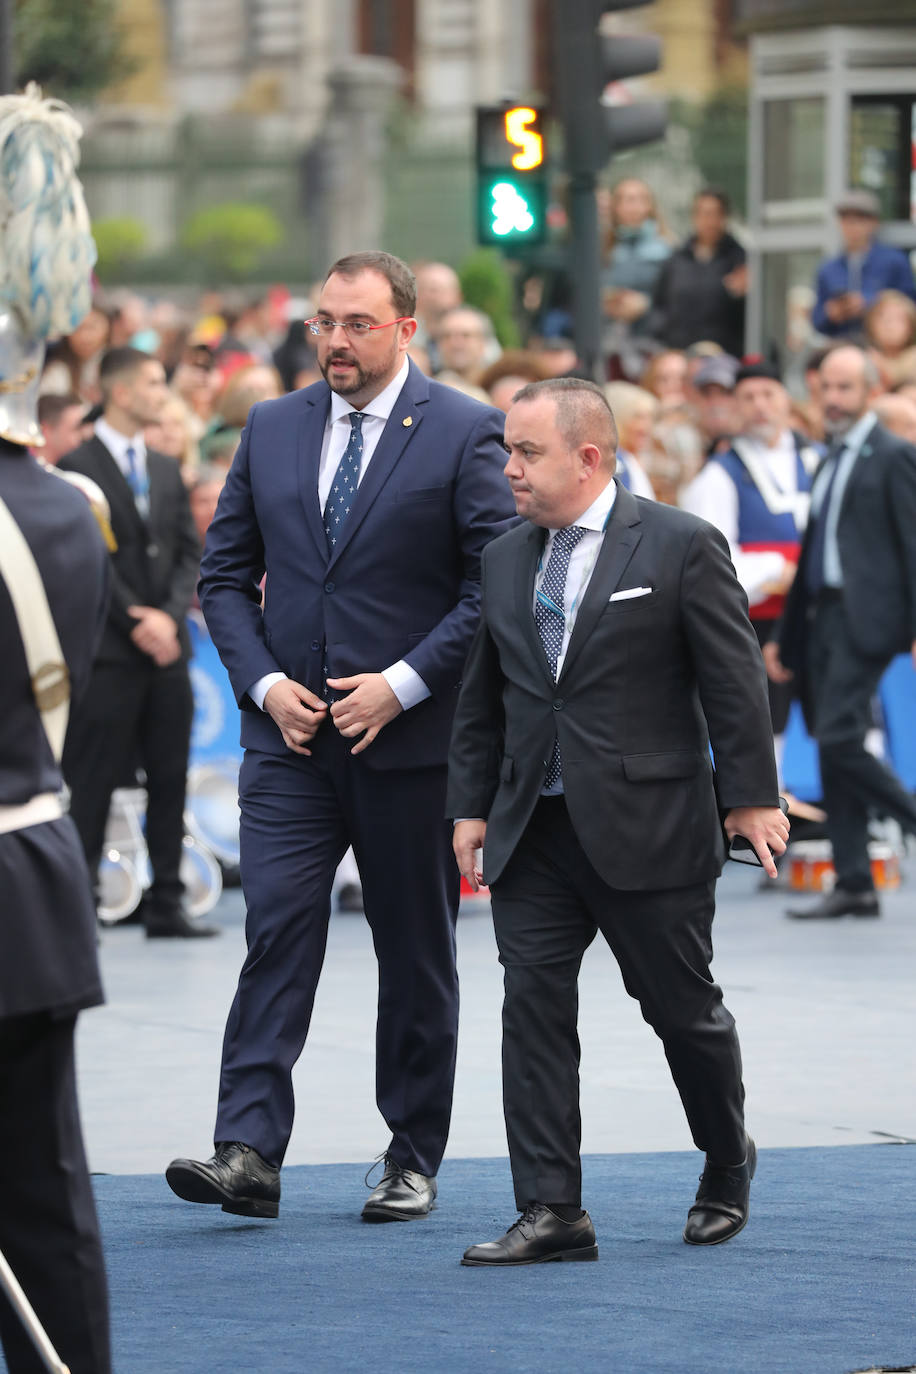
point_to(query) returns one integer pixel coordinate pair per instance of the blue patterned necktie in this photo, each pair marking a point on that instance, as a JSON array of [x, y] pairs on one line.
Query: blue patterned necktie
[[136, 480], [550, 618], [346, 480]]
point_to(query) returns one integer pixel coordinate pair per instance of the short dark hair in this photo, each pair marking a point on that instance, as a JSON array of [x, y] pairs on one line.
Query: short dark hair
[[398, 275], [120, 362], [583, 413], [715, 193], [51, 407]]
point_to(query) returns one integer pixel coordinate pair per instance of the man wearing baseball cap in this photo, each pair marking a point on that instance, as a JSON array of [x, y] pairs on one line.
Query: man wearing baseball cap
[[847, 284]]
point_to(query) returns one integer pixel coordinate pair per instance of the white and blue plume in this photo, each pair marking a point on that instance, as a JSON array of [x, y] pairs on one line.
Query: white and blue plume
[[46, 246]]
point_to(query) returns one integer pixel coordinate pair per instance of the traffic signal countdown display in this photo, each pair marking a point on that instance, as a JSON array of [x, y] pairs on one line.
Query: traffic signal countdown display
[[511, 176]]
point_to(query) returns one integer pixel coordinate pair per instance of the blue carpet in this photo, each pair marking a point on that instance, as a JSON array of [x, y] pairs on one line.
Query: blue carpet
[[822, 1281]]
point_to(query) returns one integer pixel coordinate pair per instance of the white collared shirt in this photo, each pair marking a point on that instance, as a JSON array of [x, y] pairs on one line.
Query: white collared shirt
[[375, 415], [404, 681], [118, 444], [852, 442], [581, 562]]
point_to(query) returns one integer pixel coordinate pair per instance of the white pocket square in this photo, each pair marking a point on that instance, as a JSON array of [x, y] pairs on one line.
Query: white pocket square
[[630, 593]]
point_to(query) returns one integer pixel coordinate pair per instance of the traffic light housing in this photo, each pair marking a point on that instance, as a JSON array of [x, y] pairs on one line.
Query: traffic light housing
[[598, 120], [511, 175]]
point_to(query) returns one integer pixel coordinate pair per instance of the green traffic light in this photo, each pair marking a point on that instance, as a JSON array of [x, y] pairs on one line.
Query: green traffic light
[[512, 209]]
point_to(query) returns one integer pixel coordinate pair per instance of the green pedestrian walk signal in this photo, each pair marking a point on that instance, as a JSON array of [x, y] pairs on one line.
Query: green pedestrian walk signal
[[511, 176]]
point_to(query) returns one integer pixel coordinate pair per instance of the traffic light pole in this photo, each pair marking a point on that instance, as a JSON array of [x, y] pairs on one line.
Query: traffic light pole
[[585, 268]]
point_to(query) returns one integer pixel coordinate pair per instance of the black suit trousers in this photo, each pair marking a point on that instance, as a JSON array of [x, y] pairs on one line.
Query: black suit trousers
[[841, 684], [133, 713], [49, 1232], [548, 905]]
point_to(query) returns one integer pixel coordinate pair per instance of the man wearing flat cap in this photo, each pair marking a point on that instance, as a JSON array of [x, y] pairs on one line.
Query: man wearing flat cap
[[848, 283]]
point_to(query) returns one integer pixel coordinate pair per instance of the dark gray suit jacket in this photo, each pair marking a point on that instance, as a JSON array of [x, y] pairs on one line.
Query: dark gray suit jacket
[[876, 533], [642, 680]]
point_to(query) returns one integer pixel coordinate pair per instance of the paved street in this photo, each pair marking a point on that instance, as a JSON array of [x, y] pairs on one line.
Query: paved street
[[826, 1014]]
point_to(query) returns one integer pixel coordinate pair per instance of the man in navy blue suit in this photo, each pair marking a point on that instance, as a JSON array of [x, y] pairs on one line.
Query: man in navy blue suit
[[367, 499]]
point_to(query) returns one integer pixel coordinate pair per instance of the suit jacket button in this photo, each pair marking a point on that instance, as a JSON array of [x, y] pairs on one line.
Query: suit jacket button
[[315, 646], [329, 586], [558, 704]]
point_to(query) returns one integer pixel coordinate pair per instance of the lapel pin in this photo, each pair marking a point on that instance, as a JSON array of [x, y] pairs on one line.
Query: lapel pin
[[407, 421]]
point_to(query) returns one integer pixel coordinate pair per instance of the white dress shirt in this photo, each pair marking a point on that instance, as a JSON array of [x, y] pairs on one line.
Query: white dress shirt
[[118, 444], [581, 563], [404, 681], [852, 442], [713, 496]]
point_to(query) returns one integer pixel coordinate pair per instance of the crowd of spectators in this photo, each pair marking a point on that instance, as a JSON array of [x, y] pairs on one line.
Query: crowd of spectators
[[674, 322]]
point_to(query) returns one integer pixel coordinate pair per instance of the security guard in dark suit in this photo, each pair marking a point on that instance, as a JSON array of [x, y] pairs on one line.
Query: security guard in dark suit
[[48, 965], [139, 704]]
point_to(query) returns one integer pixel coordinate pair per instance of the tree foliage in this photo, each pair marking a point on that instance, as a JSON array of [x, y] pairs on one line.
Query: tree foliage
[[229, 240], [73, 50]]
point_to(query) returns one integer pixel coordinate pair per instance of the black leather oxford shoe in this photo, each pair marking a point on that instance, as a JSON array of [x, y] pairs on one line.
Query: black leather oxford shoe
[[721, 1208], [173, 924], [537, 1237], [402, 1195], [236, 1178], [838, 903]]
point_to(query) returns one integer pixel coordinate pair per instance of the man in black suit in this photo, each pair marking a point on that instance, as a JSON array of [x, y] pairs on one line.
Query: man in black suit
[[48, 964], [614, 646], [851, 609], [139, 705]]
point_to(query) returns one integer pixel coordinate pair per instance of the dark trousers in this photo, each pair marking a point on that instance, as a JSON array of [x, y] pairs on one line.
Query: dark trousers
[[780, 693], [841, 683], [133, 714], [298, 816], [547, 908], [49, 1232]]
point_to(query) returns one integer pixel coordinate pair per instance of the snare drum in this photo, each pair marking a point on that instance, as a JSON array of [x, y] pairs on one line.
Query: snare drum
[[811, 866]]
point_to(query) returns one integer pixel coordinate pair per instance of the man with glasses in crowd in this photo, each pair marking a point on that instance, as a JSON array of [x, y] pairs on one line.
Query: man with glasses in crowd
[[368, 499]]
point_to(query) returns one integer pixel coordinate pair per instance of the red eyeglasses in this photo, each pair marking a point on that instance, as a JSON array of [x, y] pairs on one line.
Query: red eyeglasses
[[354, 329]]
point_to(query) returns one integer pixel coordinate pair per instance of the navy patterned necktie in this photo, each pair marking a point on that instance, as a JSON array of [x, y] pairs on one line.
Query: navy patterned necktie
[[346, 480], [550, 617]]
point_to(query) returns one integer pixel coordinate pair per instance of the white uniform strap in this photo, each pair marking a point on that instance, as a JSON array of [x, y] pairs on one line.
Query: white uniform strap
[[44, 656]]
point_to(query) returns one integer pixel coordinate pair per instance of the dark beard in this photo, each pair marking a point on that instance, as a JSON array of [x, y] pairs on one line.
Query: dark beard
[[360, 380]]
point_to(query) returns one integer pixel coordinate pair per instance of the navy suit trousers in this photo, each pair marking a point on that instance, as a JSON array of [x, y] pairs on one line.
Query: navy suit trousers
[[298, 816]]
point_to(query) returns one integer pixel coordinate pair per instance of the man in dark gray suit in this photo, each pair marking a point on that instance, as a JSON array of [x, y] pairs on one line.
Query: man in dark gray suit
[[614, 645], [851, 609]]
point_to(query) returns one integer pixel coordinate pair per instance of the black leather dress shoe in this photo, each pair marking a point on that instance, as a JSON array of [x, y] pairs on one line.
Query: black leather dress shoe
[[402, 1195], [721, 1208], [237, 1179], [537, 1237], [175, 925], [837, 903]]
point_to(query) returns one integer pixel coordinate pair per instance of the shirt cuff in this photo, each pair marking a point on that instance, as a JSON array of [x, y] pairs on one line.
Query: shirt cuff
[[406, 683], [258, 690]]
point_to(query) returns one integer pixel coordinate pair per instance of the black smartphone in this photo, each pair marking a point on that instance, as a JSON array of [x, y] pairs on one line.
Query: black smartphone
[[742, 851]]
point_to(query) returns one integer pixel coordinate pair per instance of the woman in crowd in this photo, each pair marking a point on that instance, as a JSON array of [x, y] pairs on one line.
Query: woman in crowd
[[890, 329], [636, 247], [173, 434], [635, 411], [72, 363]]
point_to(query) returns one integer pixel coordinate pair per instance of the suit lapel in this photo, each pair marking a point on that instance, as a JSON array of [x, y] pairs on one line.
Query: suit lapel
[[403, 423], [525, 572], [113, 482], [309, 442], [620, 541]]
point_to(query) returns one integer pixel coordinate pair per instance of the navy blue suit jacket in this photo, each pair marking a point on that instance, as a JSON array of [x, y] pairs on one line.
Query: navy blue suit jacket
[[48, 958], [403, 581]]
